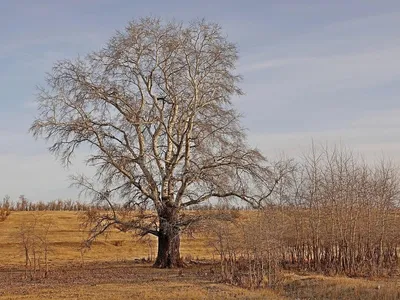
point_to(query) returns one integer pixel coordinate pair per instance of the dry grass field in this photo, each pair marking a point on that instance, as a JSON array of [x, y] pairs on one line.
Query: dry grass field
[[65, 238], [113, 269]]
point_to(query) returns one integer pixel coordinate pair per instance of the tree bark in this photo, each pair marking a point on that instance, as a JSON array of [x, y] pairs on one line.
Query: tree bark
[[168, 255]]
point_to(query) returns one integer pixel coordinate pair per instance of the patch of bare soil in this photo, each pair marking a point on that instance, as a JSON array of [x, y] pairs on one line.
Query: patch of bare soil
[[17, 281]]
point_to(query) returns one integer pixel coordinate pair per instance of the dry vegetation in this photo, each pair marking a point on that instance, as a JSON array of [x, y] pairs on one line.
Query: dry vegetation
[[65, 238], [322, 287], [128, 281], [341, 215], [115, 266]]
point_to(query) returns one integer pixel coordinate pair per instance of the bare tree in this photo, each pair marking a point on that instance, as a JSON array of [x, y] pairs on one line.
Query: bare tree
[[154, 105]]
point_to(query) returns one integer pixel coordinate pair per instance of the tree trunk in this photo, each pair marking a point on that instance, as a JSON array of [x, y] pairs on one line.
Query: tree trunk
[[168, 255]]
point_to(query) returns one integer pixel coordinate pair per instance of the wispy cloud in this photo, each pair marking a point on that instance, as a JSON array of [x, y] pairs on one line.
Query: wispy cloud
[[334, 72], [374, 136], [325, 78]]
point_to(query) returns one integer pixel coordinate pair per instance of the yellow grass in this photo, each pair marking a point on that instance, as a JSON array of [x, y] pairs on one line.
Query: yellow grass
[[146, 291], [65, 238], [339, 287]]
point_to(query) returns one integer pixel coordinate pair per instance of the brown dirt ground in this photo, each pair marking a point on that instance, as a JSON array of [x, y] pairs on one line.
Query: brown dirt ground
[[122, 281]]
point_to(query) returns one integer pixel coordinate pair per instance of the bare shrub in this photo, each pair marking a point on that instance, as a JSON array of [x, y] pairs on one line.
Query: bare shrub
[[150, 244], [248, 251], [33, 234], [5, 209], [341, 215], [4, 213]]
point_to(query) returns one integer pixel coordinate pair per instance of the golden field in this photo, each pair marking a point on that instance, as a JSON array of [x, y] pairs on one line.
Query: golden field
[[113, 269], [65, 238]]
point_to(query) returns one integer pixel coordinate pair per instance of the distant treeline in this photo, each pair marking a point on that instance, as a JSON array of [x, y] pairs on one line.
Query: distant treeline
[[24, 204]]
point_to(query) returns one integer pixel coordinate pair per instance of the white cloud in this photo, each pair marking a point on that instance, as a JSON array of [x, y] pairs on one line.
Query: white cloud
[[359, 70], [355, 53]]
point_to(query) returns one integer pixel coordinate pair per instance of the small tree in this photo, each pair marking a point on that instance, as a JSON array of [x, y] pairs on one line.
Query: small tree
[[154, 105], [34, 241]]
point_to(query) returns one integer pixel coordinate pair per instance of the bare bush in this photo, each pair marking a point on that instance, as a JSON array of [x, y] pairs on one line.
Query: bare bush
[[5, 209], [249, 251], [150, 244], [4, 213], [342, 215], [33, 234]]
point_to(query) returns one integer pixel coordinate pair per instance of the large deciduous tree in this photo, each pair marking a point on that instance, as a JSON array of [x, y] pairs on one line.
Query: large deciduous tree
[[154, 105]]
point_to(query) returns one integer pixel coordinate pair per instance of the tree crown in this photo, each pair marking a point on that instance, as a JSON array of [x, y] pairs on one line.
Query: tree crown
[[154, 105]]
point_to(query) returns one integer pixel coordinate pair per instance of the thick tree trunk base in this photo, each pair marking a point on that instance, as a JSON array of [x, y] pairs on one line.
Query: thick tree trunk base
[[168, 255]]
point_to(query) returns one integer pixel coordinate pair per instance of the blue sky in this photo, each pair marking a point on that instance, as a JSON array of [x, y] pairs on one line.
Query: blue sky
[[322, 70]]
